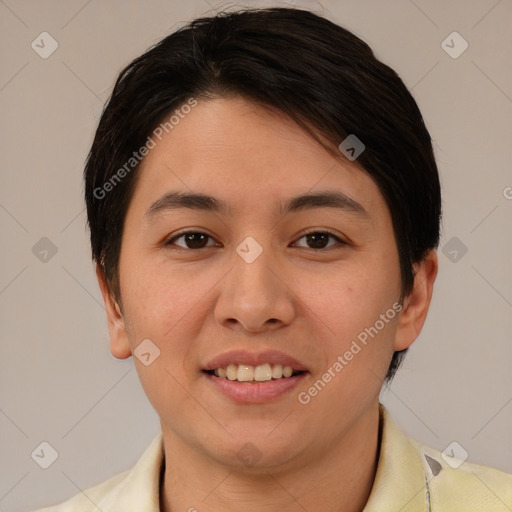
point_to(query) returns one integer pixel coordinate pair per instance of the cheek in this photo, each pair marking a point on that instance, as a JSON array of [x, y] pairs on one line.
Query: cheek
[[359, 309], [354, 294], [164, 305]]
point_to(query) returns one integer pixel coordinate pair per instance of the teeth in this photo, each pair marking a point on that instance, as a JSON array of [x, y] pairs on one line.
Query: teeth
[[263, 372], [277, 371], [245, 373], [287, 371], [231, 372], [249, 373]]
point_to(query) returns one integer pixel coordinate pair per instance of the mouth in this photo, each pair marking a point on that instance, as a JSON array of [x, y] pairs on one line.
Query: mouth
[[252, 374], [251, 378]]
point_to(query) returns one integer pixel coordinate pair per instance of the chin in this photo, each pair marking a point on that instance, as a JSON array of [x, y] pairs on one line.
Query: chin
[[255, 452]]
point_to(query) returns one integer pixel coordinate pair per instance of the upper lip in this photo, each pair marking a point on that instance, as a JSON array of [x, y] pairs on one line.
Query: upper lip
[[254, 358]]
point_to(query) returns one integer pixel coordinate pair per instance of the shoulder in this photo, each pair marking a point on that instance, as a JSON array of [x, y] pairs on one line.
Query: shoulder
[[135, 490], [412, 476], [85, 501], [457, 485]]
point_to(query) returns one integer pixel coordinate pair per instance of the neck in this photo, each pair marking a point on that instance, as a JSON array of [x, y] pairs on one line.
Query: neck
[[337, 480]]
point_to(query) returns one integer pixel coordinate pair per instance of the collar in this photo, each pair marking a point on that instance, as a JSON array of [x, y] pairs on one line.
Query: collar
[[401, 483], [138, 490]]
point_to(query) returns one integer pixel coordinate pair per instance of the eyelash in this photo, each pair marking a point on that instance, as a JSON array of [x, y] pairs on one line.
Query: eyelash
[[171, 241]]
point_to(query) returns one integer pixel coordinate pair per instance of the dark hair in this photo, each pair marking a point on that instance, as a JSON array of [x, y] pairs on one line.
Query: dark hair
[[316, 72]]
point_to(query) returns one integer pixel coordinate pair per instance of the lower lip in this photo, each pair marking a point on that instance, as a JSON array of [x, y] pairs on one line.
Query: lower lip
[[255, 393]]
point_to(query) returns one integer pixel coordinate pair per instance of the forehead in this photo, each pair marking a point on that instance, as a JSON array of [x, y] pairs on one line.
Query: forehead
[[234, 149]]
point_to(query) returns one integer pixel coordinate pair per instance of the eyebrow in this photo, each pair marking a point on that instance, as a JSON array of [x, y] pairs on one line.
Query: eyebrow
[[197, 201]]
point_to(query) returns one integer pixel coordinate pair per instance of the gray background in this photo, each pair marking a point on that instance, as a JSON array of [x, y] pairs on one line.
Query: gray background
[[58, 380]]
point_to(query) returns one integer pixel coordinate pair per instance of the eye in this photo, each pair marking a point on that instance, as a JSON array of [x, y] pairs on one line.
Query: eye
[[191, 239], [319, 239], [198, 240]]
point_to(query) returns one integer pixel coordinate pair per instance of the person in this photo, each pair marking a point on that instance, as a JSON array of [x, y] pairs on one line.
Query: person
[[264, 207]]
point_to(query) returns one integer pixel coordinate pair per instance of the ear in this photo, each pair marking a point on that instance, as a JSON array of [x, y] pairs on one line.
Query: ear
[[415, 307], [119, 344]]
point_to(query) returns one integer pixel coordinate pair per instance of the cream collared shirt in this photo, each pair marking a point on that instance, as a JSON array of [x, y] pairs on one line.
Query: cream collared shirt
[[410, 478]]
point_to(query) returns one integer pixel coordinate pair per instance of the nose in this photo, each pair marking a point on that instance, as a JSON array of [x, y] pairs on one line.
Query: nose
[[255, 296]]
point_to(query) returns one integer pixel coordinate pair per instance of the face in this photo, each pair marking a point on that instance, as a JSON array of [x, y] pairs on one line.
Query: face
[[263, 282]]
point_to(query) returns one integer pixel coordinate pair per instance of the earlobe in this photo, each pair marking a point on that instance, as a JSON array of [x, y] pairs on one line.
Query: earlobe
[[416, 305], [119, 343]]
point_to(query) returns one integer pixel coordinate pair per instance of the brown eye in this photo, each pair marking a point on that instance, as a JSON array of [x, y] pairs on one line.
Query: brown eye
[[318, 240], [191, 240]]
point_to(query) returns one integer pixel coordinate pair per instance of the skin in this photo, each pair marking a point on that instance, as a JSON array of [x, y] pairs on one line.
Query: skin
[[309, 301]]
